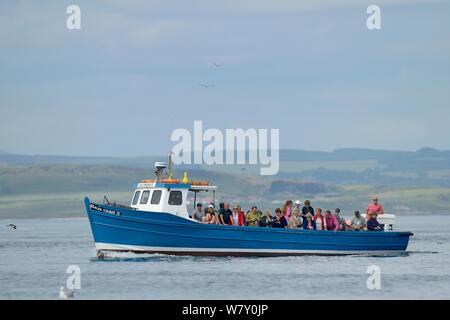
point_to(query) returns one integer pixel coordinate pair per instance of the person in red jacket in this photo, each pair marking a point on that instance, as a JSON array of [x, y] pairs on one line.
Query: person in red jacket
[[240, 209], [237, 217], [319, 219]]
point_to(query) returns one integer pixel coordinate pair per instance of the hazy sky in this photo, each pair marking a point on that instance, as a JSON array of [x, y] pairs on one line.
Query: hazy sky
[[130, 76]]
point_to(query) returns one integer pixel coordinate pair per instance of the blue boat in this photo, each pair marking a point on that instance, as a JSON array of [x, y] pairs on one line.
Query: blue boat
[[157, 221]]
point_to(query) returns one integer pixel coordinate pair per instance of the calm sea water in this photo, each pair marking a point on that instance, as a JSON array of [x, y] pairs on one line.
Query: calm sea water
[[34, 259]]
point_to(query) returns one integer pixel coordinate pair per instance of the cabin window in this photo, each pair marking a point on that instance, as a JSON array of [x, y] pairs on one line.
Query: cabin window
[[136, 197], [175, 198], [156, 197], [145, 196]]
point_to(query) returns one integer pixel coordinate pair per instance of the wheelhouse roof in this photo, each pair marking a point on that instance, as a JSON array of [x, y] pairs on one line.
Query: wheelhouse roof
[[176, 186]]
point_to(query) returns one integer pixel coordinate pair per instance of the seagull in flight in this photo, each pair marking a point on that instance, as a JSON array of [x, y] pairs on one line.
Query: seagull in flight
[[12, 226], [217, 64], [204, 85]]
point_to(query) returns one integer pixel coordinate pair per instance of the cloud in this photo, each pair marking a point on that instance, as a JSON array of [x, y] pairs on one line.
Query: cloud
[[140, 62], [43, 24], [290, 6]]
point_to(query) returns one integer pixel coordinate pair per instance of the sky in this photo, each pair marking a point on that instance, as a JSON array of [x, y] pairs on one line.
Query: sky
[[131, 75]]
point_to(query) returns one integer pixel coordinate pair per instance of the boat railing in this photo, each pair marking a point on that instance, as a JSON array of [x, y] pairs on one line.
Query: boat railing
[[116, 204]]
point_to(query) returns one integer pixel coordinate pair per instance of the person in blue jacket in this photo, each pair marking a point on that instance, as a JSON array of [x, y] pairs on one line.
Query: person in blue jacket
[[279, 221], [307, 209], [373, 224]]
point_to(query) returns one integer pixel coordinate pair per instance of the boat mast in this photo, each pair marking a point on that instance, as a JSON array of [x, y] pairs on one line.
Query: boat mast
[[169, 172]]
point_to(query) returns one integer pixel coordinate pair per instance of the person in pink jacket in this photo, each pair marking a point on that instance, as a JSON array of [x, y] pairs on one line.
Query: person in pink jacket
[[287, 209], [331, 221]]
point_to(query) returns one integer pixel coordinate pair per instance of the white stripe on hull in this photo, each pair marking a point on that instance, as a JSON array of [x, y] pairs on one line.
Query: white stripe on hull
[[231, 251]]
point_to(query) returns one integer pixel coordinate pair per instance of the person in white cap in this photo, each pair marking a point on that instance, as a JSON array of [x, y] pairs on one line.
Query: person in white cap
[[298, 205], [210, 216]]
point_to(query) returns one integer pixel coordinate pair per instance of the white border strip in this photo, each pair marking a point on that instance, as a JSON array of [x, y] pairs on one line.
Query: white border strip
[[122, 247]]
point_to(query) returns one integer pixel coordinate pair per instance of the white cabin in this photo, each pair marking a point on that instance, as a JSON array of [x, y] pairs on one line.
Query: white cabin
[[166, 197]]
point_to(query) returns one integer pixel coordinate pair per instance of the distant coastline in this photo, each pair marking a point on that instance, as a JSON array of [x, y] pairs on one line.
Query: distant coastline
[[407, 182]]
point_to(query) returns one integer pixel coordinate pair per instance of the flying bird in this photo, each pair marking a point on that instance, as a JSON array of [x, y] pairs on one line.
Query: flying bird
[[216, 64], [12, 226], [66, 295]]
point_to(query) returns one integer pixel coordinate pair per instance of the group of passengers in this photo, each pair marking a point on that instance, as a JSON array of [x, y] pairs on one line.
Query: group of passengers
[[292, 216]]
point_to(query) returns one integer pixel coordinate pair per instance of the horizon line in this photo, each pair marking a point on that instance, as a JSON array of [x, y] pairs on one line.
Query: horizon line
[[3, 152]]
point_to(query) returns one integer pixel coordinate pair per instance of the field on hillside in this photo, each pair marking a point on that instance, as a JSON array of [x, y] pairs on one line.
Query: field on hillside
[[401, 202], [59, 190]]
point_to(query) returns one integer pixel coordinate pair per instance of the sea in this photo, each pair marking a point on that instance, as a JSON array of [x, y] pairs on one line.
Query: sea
[[42, 255]]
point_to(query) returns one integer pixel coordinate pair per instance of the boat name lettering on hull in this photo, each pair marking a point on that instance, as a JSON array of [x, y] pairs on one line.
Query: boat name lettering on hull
[[104, 210]]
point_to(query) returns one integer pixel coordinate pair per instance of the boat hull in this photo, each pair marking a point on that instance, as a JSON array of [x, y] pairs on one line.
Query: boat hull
[[122, 229]]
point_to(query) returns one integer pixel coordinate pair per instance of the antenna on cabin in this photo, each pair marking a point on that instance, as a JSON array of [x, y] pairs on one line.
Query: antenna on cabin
[[169, 173], [159, 166]]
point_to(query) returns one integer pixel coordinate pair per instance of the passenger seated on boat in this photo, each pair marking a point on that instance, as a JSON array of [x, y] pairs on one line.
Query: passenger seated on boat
[[309, 223], [266, 220], [286, 210], [198, 213], [358, 222], [343, 226], [206, 208], [253, 218], [373, 224], [294, 220], [341, 220], [225, 213], [307, 209], [319, 219], [237, 217], [210, 216], [331, 221], [374, 207], [279, 221]]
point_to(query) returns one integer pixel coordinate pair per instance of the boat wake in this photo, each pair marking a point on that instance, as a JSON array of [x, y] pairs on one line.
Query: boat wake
[[423, 252], [114, 256], [128, 256]]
